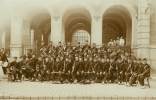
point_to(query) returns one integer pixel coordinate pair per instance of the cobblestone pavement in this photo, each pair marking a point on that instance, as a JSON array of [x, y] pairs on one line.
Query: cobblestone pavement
[[27, 88]]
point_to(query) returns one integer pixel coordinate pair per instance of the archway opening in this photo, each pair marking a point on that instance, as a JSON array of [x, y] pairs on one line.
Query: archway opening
[[77, 26], [80, 36], [41, 24], [117, 22]]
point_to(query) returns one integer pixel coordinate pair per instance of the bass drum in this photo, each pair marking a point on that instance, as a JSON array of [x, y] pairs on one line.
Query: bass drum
[[5, 66]]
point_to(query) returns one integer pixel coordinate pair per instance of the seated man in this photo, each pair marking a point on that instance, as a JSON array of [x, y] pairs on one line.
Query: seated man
[[145, 73], [44, 73], [55, 72], [12, 70], [134, 73], [37, 74], [128, 70]]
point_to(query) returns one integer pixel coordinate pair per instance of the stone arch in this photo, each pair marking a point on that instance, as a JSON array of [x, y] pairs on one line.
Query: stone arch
[[40, 22], [77, 18], [5, 32], [119, 17], [132, 10]]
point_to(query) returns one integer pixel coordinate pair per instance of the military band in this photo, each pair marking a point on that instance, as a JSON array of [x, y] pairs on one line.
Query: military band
[[79, 64]]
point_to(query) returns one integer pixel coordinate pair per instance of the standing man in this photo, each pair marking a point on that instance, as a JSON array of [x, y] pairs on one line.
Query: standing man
[[106, 70], [75, 68], [112, 71], [121, 41], [120, 73]]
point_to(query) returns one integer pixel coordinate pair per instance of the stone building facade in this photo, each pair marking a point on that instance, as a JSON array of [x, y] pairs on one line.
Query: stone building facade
[[26, 23]]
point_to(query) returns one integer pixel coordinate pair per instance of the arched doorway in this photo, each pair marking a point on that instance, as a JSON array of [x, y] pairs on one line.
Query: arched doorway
[[77, 24], [41, 24], [117, 22]]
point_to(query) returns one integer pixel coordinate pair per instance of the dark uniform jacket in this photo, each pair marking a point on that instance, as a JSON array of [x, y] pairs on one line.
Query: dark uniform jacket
[[146, 72]]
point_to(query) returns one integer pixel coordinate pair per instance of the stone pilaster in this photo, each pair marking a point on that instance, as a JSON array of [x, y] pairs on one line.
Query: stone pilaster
[[96, 30], [32, 33], [3, 40], [16, 47], [56, 29], [26, 36], [143, 35]]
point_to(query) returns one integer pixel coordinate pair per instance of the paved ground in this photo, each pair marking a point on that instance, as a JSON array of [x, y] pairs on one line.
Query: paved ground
[[48, 89]]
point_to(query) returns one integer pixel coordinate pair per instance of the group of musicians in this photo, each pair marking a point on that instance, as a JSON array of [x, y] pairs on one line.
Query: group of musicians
[[79, 64]]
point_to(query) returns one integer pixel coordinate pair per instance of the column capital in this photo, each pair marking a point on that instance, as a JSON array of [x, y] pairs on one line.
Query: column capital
[[56, 17], [32, 31], [97, 17], [144, 6]]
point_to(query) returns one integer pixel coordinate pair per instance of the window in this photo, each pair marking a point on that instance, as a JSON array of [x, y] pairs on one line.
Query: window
[[80, 36]]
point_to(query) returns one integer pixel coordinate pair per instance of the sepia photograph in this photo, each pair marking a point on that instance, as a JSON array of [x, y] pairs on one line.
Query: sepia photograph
[[77, 49]]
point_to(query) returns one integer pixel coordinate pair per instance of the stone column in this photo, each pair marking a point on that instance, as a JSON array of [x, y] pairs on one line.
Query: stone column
[[3, 39], [96, 30], [56, 29], [26, 36], [32, 38], [143, 35], [16, 36]]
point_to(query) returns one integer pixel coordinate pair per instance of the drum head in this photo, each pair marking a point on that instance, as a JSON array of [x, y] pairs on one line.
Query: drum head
[[5, 64], [1, 63]]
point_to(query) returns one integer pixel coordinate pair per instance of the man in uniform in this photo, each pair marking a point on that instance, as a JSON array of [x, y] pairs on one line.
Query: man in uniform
[[134, 73], [119, 65], [75, 68], [55, 73], [145, 73], [32, 63], [99, 70], [121, 41], [112, 71], [95, 64], [80, 72], [128, 70], [37, 74], [90, 73], [4, 59], [106, 70], [67, 69], [20, 63], [61, 69], [13, 70], [86, 70], [48, 65], [52, 65]]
